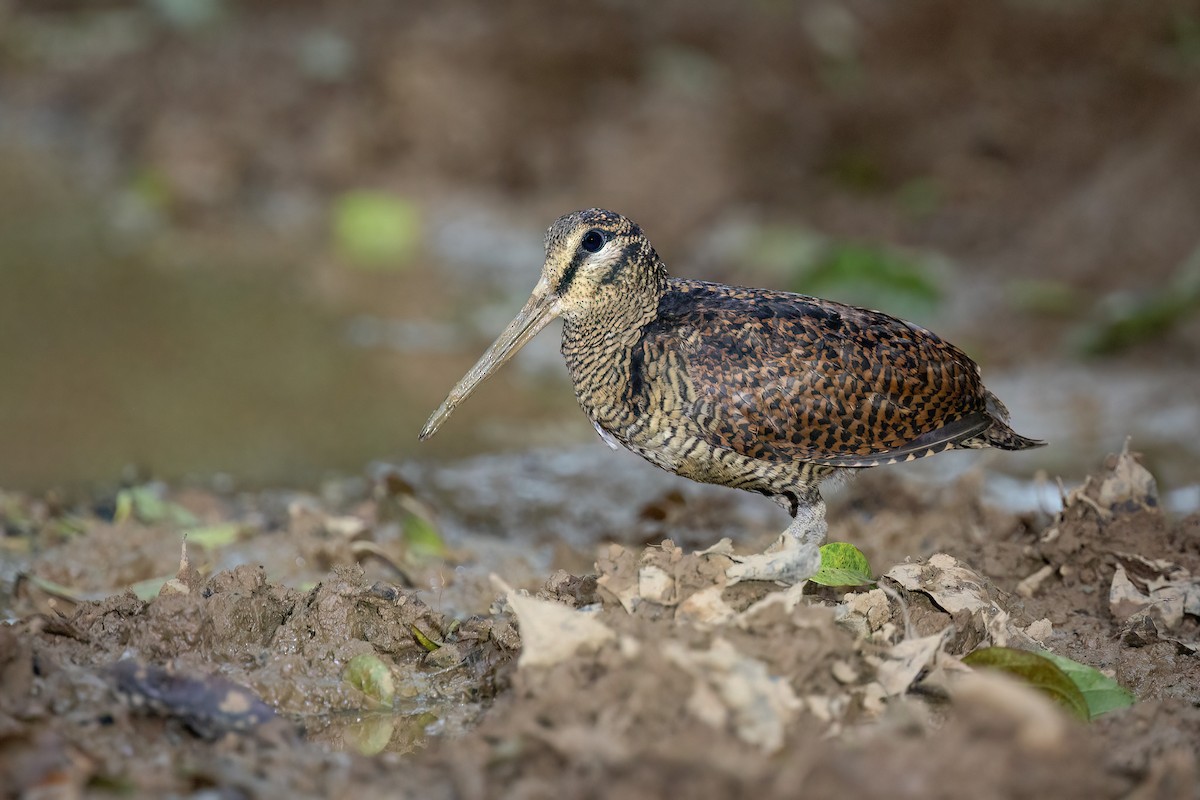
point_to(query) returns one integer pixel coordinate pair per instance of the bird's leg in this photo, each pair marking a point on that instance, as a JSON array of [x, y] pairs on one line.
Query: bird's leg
[[795, 556]]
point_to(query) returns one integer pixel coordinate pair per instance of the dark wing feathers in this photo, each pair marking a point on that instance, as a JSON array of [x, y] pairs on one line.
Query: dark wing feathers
[[780, 376], [927, 444]]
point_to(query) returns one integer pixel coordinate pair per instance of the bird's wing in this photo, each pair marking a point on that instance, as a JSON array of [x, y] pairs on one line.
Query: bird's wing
[[779, 376]]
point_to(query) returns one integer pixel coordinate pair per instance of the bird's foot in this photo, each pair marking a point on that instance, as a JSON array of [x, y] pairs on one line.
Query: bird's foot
[[786, 561]]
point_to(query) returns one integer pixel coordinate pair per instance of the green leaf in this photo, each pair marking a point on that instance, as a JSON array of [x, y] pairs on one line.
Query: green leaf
[[842, 564], [367, 673], [1102, 693], [1127, 319], [210, 537], [424, 641], [146, 505], [124, 507], [375, 229], [422, 538], [1039, 672]]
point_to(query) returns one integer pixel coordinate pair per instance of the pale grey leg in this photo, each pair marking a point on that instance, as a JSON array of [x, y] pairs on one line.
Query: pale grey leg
[[794, 557]]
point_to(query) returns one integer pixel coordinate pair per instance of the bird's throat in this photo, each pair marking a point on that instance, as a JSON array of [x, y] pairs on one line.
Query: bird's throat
[[599, 352]]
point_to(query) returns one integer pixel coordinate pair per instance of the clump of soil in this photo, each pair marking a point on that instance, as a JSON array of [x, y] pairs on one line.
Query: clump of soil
[[648, 677]]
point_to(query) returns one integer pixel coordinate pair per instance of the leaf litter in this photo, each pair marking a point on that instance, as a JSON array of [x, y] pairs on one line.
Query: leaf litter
[[650, 675]]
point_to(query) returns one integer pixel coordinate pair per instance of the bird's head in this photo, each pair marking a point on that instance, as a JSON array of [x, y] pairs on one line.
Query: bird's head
[[595, 259], [599, 266]]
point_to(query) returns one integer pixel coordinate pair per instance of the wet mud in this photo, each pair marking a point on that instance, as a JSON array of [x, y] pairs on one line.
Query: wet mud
[[639, 675]]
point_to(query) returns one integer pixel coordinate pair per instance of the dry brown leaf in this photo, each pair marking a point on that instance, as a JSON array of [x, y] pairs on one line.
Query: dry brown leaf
[[900, 666], [551, 632], [705, 607], [655, 585], [952, 585], [1162, 589]]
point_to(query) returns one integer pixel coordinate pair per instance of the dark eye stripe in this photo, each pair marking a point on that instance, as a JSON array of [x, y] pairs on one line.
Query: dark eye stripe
[[569, 273]]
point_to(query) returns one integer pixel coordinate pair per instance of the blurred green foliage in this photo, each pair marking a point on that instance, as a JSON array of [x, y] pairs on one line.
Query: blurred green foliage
[[869, 275], [151, 188], [1084, 691], [1185, 37], [148, 504], [1046, 296], [1035, 670], [1125, 319], [1102, 693], [919, 197], [376, 229], [858, 169], [210, 537], [867, 272], [422, 538]]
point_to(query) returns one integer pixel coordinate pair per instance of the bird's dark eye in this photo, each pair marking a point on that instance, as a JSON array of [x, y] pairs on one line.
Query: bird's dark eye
[[593, 240]]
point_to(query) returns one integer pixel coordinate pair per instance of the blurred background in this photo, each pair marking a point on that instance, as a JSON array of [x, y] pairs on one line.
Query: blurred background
[[261, 240]]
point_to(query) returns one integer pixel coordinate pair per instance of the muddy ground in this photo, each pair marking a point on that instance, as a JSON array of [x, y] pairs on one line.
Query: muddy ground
[[652, 678]]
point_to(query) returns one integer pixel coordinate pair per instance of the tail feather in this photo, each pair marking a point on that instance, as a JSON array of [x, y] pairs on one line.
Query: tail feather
[[1003, 437]]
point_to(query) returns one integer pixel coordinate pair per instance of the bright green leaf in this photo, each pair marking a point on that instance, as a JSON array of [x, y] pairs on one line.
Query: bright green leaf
[[424, 641], [1039, 672], [1102, 693], [422, 538], [210, 537], [376, 229], [842, 564], [124, 507], [367, 673]]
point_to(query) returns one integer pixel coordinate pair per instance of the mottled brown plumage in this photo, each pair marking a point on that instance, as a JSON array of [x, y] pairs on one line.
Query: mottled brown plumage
[[754, 389]]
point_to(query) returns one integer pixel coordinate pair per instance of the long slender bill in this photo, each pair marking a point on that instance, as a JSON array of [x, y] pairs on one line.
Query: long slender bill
[[537, 314]]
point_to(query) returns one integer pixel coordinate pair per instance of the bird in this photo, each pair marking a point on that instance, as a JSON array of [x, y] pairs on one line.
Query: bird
[[767, 391]]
